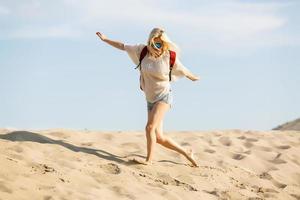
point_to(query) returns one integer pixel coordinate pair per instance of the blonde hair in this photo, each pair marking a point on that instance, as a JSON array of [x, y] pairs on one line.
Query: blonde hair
[[167, 43]]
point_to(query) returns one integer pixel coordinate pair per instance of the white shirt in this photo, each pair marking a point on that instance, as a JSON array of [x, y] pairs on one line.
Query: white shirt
[[155, 71]]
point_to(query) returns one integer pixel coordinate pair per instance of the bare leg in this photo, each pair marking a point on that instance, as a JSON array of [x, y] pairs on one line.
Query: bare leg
[[154, 117], [171, 144]]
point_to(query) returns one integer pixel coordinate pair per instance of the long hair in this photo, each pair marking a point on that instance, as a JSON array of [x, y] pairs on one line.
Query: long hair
[[167, 43]]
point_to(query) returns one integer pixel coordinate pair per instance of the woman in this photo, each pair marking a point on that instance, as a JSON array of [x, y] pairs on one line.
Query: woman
[[155, 82]]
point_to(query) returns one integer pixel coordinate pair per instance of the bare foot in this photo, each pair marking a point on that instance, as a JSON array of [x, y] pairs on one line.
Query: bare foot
[[190, 157], [143, 162]]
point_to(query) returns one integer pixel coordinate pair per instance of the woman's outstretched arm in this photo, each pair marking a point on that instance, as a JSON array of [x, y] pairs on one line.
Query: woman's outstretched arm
[[118, 45]]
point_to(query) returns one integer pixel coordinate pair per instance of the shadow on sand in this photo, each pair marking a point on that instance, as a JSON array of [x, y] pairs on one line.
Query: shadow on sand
[[22, 136]]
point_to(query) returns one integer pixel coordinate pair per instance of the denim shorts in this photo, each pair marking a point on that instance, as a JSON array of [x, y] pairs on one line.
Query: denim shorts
[[167, 98]]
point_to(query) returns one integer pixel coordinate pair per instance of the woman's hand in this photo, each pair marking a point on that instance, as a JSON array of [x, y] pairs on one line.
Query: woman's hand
[[116, 44], [101, 36], [194, 78], [191, 76]]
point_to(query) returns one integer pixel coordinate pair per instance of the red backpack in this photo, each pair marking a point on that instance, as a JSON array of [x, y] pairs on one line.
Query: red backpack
[[144, 53]]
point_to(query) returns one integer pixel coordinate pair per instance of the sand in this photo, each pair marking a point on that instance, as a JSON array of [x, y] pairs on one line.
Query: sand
[[87, 165]]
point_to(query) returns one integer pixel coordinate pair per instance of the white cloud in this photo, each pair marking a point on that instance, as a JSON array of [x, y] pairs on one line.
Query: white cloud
[[211, 24], [46, 32], [227, 22]]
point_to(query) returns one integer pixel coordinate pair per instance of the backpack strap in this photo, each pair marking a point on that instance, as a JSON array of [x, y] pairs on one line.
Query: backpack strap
[[172, 62], [142, 56]]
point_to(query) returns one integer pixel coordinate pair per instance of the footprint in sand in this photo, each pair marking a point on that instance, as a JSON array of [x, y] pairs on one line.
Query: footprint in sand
[[46, 187], [271, 190], [267, 176], [47, 198], [12, 160], [272, 168], [166, 179], [247, 152], [111, 168], [268, 193], [251, 139], [277, 160], [264, 191], [248, 144], [296, 196], [218, 193], [225, 141], [279, 185], [241, 137], [238, 156], [42, 168], [209, 150], [283, 147]]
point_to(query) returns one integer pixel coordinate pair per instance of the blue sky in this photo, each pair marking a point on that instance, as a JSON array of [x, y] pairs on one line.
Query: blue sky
[[55, 72]]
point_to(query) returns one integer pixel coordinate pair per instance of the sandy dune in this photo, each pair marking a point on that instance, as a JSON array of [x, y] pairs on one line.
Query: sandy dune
[[289, 126], [68, 164]]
